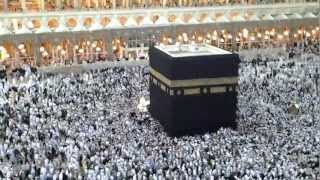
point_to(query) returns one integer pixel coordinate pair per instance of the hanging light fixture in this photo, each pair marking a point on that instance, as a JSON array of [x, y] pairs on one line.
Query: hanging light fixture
[[259, 35], [272, 33], [42, 49], [308, 34], [45, 54], [245, 33], [180, 38], [63, 52], [21, 46]]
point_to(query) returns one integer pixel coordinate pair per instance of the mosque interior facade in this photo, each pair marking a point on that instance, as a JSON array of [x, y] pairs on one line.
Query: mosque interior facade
[[44, 32]]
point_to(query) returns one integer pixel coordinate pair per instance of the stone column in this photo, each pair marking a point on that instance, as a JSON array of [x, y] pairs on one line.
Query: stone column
[[5, 5], [42, 6], [96, 4], [71, 50], [164, 3], [76, 4], [36, 49], [114, 4], [233, 33], [89, 4], [23, 5], [126, 40], [58, 4], [15, 56], [108, 43], [53, 50]]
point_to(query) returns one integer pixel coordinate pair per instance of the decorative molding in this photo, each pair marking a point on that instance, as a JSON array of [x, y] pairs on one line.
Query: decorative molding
[[271, 12]]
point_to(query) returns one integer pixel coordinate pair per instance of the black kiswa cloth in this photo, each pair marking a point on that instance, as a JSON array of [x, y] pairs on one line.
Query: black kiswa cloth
[[194, 67], [193, 114], [193, 94]]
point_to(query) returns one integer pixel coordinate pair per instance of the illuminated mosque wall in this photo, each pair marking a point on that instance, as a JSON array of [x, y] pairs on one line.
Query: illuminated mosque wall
[[86, 31]]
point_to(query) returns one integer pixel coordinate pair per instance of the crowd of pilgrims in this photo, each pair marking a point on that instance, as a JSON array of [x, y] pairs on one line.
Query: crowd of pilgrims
[[88, 126]]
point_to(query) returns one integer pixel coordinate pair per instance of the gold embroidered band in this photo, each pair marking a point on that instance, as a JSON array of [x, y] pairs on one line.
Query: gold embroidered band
[[194, 82]]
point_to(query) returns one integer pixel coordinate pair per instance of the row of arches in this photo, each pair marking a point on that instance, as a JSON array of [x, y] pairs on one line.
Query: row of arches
[[90, 50], [99, 22]]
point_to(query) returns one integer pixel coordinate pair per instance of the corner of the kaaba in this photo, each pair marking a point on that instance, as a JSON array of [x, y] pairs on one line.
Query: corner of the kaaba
[[197, 94], [160, 61]]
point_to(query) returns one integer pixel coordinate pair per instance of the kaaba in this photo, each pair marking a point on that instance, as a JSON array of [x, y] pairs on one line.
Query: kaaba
[[193, 88]]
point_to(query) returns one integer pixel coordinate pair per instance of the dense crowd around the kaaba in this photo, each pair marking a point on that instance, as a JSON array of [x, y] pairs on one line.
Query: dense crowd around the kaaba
[[88, 126]]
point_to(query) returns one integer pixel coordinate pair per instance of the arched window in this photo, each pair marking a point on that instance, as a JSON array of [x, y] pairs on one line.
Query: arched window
[[50, 5], [14, 5], [67, 4], [1, 6], [32, 5]]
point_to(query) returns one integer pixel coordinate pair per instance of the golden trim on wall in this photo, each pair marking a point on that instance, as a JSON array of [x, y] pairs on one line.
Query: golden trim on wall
[[194, 82], [190, 91]]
